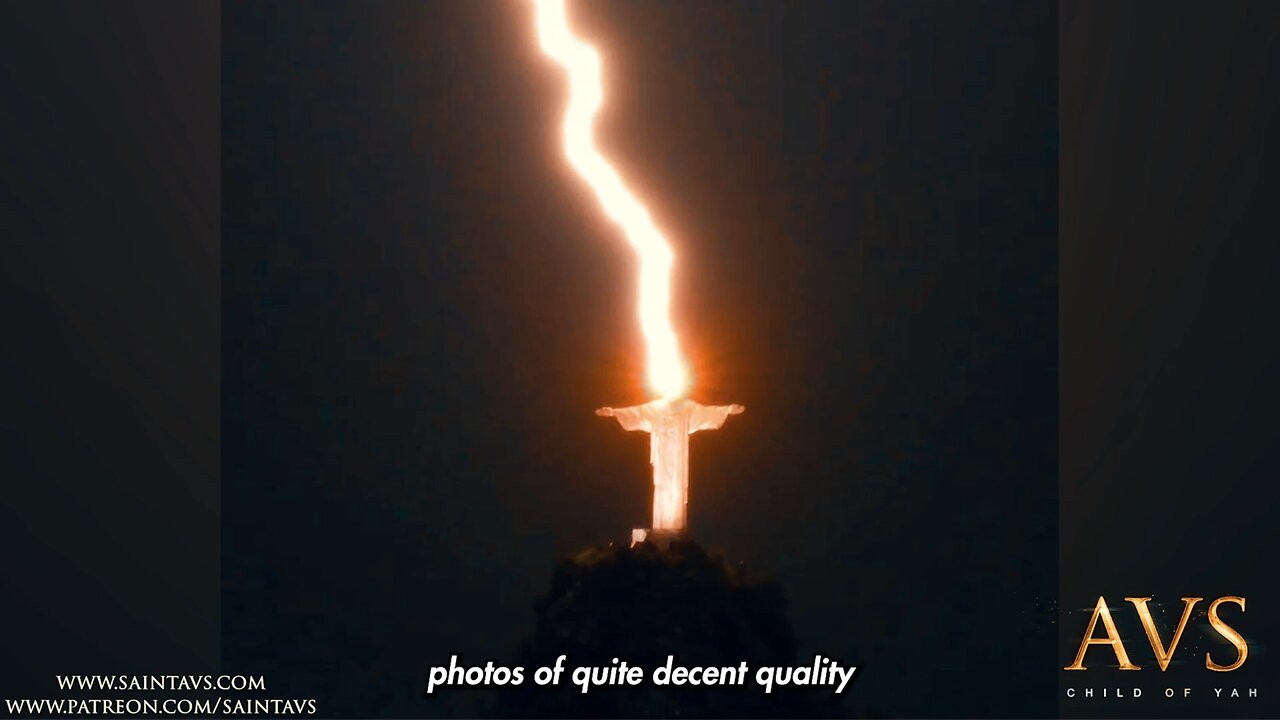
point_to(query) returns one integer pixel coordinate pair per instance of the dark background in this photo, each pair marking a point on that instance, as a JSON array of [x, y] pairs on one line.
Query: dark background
[[423, 305], [109, 390], [111, 272], [1169, 390]]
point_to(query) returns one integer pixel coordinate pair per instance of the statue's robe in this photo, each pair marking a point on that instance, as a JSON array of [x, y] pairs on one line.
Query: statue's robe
[[669, 424]]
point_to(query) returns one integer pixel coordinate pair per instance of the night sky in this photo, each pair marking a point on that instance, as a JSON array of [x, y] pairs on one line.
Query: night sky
[[422, 305]]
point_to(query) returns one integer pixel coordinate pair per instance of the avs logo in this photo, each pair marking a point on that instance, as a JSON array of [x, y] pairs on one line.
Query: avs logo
[[1164, 654]]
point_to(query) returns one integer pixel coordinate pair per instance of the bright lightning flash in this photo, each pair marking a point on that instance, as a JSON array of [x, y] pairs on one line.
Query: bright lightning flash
[[667, 375]]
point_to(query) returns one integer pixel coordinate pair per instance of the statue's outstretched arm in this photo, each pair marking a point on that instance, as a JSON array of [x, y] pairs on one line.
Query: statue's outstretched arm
[[711, 417], [630, 418]]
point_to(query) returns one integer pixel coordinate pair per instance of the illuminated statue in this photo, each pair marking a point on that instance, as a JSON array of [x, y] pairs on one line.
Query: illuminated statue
[[669, 424]]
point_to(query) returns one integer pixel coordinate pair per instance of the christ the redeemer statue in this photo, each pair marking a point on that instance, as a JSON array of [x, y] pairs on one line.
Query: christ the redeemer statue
[[669, 424]]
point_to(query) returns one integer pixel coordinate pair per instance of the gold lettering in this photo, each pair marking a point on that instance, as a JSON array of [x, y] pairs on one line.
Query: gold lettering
[[1112, 638], [1226, 631], [1162, 656]]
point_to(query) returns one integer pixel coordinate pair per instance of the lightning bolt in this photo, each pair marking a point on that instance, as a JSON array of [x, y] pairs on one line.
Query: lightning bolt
[[666, 372]]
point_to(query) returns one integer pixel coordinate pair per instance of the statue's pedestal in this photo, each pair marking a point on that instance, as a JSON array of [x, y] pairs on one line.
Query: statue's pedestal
[[661, 538]]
